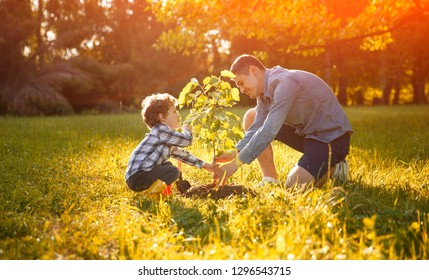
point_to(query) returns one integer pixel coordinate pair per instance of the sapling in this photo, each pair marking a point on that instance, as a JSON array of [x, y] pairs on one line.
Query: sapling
[[216, 128]]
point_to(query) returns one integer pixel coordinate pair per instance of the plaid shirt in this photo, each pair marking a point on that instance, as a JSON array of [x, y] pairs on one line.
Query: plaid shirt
[[157, 147]]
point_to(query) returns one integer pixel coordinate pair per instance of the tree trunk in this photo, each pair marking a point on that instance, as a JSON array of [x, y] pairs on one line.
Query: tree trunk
[[337, 59], [40, 41], [328, 67], [342, 90], [418, 80], [387, 89], [419, 93], [397, 92]]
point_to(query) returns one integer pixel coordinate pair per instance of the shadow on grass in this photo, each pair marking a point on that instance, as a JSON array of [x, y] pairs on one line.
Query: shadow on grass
[[401, 212], [189, 219]]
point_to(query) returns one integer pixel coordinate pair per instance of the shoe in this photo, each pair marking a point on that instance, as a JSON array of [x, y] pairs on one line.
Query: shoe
[[156, 189], [341, 172], [167, 191], [268, 180]]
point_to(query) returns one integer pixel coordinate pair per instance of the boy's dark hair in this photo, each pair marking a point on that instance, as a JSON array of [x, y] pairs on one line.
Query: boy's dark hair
[[241, 64], [154, 105]]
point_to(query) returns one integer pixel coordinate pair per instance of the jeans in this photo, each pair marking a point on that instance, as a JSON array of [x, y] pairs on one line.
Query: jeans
[[142, 180]]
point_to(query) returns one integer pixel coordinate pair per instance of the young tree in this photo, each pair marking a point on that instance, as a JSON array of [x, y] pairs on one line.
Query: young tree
[[215, 127]]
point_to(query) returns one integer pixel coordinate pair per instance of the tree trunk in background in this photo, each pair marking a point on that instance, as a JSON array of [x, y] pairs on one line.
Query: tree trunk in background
[[418, 82], [397, 87], [387, 90], [40, 43], [337, 59], [342, 90], [328, 67]]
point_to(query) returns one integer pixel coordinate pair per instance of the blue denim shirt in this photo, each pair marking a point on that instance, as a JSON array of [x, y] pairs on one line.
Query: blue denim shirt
[[297, 98]]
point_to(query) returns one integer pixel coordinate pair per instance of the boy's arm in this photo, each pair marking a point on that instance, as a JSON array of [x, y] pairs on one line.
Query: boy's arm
[[186, 157], [172, 137]]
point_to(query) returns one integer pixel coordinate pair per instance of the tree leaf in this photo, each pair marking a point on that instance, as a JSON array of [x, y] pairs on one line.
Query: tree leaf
[[182, 99], [235, 94], [206, 80], [227, 74]]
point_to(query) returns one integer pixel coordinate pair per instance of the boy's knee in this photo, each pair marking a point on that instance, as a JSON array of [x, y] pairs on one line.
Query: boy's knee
[[137, 188], [172, 175]]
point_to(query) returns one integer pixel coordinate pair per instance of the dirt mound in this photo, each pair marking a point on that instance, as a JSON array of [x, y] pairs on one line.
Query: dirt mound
[[218, 192]]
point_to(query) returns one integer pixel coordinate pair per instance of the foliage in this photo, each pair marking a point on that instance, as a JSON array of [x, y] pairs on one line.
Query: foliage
[[39, 100], [16, 27], [73, 203], [307, 26], [218, 129], [112, 38], [344, 34], [65, 87], [352, 44]]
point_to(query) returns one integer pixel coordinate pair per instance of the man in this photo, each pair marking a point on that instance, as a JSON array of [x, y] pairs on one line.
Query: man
[[296, 108]]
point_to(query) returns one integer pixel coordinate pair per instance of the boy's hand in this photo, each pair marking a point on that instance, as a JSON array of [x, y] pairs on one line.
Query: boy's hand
[[224, 172], [212, 167], [186, 126], [225, 157]]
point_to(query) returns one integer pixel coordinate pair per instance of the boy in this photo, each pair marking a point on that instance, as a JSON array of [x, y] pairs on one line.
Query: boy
[[148, 167]]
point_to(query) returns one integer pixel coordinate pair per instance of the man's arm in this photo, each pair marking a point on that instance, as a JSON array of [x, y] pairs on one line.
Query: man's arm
[[258, 122], [283, 98]]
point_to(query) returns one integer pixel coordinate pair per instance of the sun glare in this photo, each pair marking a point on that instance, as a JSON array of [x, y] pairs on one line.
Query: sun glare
[[106, 3], [50, 35], [223, 46], [26, 51], [90, 43]]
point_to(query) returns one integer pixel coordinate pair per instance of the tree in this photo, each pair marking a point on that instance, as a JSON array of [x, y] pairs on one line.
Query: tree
[[306, 28], [73, 42], [215, 127], [15, 28]]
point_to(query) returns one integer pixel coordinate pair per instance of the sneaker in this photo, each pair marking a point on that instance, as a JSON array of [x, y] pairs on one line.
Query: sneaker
[[341, 172], [268, 180], [156, 189]]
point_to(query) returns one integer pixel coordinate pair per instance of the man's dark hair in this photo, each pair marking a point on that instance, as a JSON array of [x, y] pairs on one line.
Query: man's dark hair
[[241, 64]]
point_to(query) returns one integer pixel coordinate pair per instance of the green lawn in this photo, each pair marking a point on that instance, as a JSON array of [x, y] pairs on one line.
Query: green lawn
[[63, 196]]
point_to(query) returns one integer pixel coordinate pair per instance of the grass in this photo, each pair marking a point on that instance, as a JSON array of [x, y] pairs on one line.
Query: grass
[[63, 196]]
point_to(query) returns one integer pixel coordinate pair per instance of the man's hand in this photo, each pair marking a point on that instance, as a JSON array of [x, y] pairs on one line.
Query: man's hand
[[225, 157], [224, 172]]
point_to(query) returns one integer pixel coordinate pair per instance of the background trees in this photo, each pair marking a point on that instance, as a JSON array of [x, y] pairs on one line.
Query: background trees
[[63, 56]]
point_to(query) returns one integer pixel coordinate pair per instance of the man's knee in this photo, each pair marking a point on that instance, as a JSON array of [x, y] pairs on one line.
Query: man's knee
[[248, 118], [299, 178]]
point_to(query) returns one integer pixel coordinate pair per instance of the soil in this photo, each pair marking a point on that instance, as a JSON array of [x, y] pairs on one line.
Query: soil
[[220, 192]]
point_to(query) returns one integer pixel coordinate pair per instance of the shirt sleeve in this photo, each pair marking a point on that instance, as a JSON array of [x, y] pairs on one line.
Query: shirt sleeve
[[284, 95], [186, 157], [261, 115], [172, 137]]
